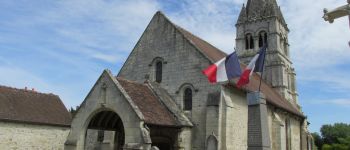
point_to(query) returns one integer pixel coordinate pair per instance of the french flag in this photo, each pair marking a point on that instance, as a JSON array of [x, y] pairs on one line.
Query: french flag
[[224, 70], [255, 65]]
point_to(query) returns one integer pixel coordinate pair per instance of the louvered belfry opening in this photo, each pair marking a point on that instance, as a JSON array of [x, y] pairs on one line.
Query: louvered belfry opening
[[105, 131]]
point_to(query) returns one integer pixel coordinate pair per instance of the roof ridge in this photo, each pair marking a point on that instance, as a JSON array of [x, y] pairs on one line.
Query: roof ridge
[[28, 90], [200, 38], [130, 81], [183, 32]]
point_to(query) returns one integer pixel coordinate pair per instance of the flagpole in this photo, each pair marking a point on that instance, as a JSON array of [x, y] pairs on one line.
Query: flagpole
[[262, 72]]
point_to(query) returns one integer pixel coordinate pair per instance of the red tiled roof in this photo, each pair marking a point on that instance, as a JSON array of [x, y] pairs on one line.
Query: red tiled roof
[[153, 110], [20, 105], [214, 54]]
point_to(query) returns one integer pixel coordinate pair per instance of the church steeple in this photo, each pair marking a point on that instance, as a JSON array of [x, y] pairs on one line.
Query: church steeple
[[260, 9], [260, 22]]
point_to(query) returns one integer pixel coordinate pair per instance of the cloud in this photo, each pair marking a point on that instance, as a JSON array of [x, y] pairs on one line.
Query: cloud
[[314, 42], [20, 78], [88, 28], [63, 46], [211, 20], [338, 102], [80, 37]]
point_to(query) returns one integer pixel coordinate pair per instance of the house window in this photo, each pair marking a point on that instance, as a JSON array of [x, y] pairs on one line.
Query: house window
[[187, 97], [249, 41], [262, 38], [159, 68]]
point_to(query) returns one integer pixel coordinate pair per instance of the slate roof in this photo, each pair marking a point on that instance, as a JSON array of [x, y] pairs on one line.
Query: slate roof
[[214, 54], [19, 105], [150, 105]]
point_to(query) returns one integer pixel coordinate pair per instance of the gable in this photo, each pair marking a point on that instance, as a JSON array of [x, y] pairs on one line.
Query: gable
[[129, 99], [164, 40]]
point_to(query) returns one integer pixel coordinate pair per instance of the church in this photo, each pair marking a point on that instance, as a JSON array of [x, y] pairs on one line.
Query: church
[[161, 100]]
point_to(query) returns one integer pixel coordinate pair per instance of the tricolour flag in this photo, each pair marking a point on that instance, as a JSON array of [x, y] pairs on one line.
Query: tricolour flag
[[255, 65], [224, 70]]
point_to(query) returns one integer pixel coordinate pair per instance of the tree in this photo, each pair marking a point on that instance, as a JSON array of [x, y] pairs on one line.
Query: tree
[[334, 137], [317, 139], [73, 111], [331, 133]]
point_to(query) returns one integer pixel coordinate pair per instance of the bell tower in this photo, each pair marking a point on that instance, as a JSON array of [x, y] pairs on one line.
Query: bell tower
[[260, 22]]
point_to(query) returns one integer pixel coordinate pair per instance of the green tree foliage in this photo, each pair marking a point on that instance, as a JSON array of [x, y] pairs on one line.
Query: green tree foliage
[[317, 139], [73, 111], [331, 133], [334, 137]]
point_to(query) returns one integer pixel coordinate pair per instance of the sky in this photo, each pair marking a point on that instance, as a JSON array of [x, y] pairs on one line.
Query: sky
[[63, 46]]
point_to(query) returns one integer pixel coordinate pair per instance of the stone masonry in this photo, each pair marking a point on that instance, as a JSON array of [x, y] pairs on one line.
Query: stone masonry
[[182, 65], [24, 136]]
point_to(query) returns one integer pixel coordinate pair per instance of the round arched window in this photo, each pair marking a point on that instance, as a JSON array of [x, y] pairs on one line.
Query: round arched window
[[187, 99], [159, 69], [249, 41], [262, 38]]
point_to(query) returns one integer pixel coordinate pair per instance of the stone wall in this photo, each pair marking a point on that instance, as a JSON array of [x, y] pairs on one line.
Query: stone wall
[[182, 65], [92, 142], [235, 120], [276, 120], [30, 136]]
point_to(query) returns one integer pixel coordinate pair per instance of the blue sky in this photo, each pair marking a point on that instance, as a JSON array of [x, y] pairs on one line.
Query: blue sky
[[63, 46]]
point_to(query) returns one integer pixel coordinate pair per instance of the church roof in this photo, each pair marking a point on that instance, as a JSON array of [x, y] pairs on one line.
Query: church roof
[[260, 9], [19, 105], [151, 105], [214, 54]]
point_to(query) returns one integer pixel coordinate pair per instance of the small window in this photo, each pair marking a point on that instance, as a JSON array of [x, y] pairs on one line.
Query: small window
[[249, 41], [262, 38], [188, 99], [159, 68]]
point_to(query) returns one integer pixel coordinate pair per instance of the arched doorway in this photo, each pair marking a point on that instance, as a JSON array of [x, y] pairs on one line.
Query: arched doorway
[[105, 132], [163, 137]]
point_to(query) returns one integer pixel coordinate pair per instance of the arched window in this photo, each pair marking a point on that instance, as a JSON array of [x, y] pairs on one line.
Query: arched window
[[187, 97], [159, 68], [262, 38], [249, 41]]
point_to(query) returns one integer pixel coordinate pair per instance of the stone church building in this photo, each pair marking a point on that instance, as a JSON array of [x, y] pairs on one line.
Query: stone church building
[[160, 99]]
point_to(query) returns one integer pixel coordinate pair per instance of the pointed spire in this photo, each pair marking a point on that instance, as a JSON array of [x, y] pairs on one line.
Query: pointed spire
[[242, 15], [259, 9]]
